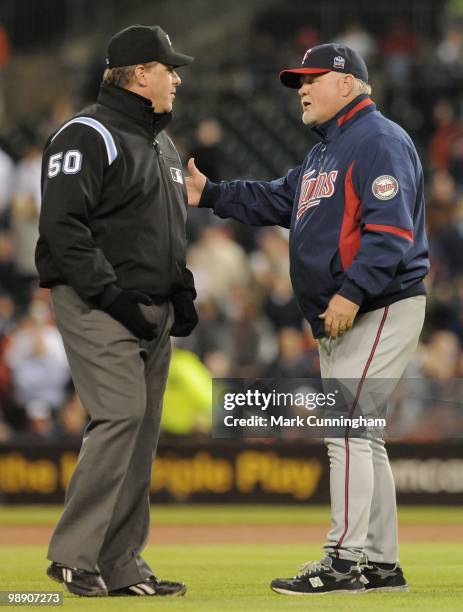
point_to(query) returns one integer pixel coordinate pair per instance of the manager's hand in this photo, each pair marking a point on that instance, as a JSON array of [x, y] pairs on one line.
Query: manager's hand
[[194, 183], [339, 316]]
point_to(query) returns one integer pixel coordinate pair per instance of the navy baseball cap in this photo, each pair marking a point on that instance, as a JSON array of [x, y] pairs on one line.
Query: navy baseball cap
[[326, 58], [140, 44]]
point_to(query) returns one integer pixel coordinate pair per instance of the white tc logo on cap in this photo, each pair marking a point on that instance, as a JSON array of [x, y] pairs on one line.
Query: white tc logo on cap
[[306, 54]]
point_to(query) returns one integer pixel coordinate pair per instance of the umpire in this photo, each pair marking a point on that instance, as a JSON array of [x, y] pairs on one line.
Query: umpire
[[112, 248]]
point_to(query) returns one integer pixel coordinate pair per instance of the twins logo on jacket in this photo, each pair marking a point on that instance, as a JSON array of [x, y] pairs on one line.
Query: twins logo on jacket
[[314, 188]]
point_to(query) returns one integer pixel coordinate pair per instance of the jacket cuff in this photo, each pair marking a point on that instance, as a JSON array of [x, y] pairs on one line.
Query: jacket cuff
[[107, 296], [210, 194], [352, 292]]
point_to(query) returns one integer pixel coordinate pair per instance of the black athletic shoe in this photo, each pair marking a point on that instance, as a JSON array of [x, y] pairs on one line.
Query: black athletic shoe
[[319, 578], [78, 581], [380, 580], [151, 586]]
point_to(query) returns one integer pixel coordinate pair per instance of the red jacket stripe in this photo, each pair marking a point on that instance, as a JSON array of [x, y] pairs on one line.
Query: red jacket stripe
[[391, 229], [355, 110], [349, 237]]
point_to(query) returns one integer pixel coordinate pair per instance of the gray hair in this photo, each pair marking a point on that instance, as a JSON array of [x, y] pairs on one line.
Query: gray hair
[[362, 87], [122, 76]]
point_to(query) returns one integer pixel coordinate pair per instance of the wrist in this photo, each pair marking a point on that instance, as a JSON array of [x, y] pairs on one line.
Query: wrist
[[352, 292], [209, 194]]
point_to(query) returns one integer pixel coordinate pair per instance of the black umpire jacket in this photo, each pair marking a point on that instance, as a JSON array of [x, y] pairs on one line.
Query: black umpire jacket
[[113, 203]]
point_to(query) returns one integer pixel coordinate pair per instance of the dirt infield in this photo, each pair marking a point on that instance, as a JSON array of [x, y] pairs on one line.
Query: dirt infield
[[237, 534]]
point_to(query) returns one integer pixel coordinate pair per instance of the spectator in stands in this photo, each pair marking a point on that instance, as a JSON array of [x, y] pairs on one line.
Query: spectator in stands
[[421, 408], [293, 360], [7, 311], [25, 217], [218, 364], [4, 59], [261, 61], [440, 359], [450, 50], [207, 152], [445, 127], [215, 252], [38, 364], [456, 158], [451, 242], [61, 109], [440, 210], [281, 307], [8, 276], [354, 35], [398, 46], [271, 258], [307, 36], [6, 186], [212, 332], [252, 339], [441, 201]]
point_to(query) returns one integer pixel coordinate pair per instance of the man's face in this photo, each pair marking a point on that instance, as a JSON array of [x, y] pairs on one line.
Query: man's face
[[321, 96], [161, 84]]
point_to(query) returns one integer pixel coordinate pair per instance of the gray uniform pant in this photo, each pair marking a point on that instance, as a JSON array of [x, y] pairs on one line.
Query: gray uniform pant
[[363, 500], [121, 381]]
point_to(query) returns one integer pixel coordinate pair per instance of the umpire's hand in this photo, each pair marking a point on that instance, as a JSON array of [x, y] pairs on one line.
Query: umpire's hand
[[194, 183], [126, 310], [339, 316]]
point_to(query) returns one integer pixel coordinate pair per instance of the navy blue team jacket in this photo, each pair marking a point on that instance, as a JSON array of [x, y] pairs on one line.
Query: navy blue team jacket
[[355, 209]]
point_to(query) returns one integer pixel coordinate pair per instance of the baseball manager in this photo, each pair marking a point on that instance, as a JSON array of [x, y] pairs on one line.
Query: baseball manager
[[112, 248], [358, 255]]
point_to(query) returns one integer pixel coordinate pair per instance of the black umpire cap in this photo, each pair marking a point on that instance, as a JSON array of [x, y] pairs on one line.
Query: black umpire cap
[[326, 58], [140, 44]]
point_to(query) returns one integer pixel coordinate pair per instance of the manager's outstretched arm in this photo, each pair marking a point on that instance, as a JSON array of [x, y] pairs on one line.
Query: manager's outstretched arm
[[255, 203]]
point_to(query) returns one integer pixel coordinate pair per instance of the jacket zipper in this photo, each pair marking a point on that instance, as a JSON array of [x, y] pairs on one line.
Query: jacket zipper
[[319, 161], [319, 167], [321, 158], [169, 220]]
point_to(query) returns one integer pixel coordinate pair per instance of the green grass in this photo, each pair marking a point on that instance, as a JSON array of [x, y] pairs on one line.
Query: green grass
[[236, 578], [236, 515]]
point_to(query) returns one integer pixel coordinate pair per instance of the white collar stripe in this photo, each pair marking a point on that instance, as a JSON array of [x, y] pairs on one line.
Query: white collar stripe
[[101, 129]]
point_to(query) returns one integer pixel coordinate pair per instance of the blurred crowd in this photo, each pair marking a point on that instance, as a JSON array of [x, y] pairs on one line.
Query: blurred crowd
[[250, 325]]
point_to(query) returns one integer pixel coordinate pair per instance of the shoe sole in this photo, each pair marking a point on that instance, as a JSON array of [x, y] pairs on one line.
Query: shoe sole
[[396, 589], [336, 592], [177, 594], [75, 590], [180, 593]]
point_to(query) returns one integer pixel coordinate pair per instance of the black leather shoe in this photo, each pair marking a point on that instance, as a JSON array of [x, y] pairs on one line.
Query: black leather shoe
[[78, 581], [151, 586]]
